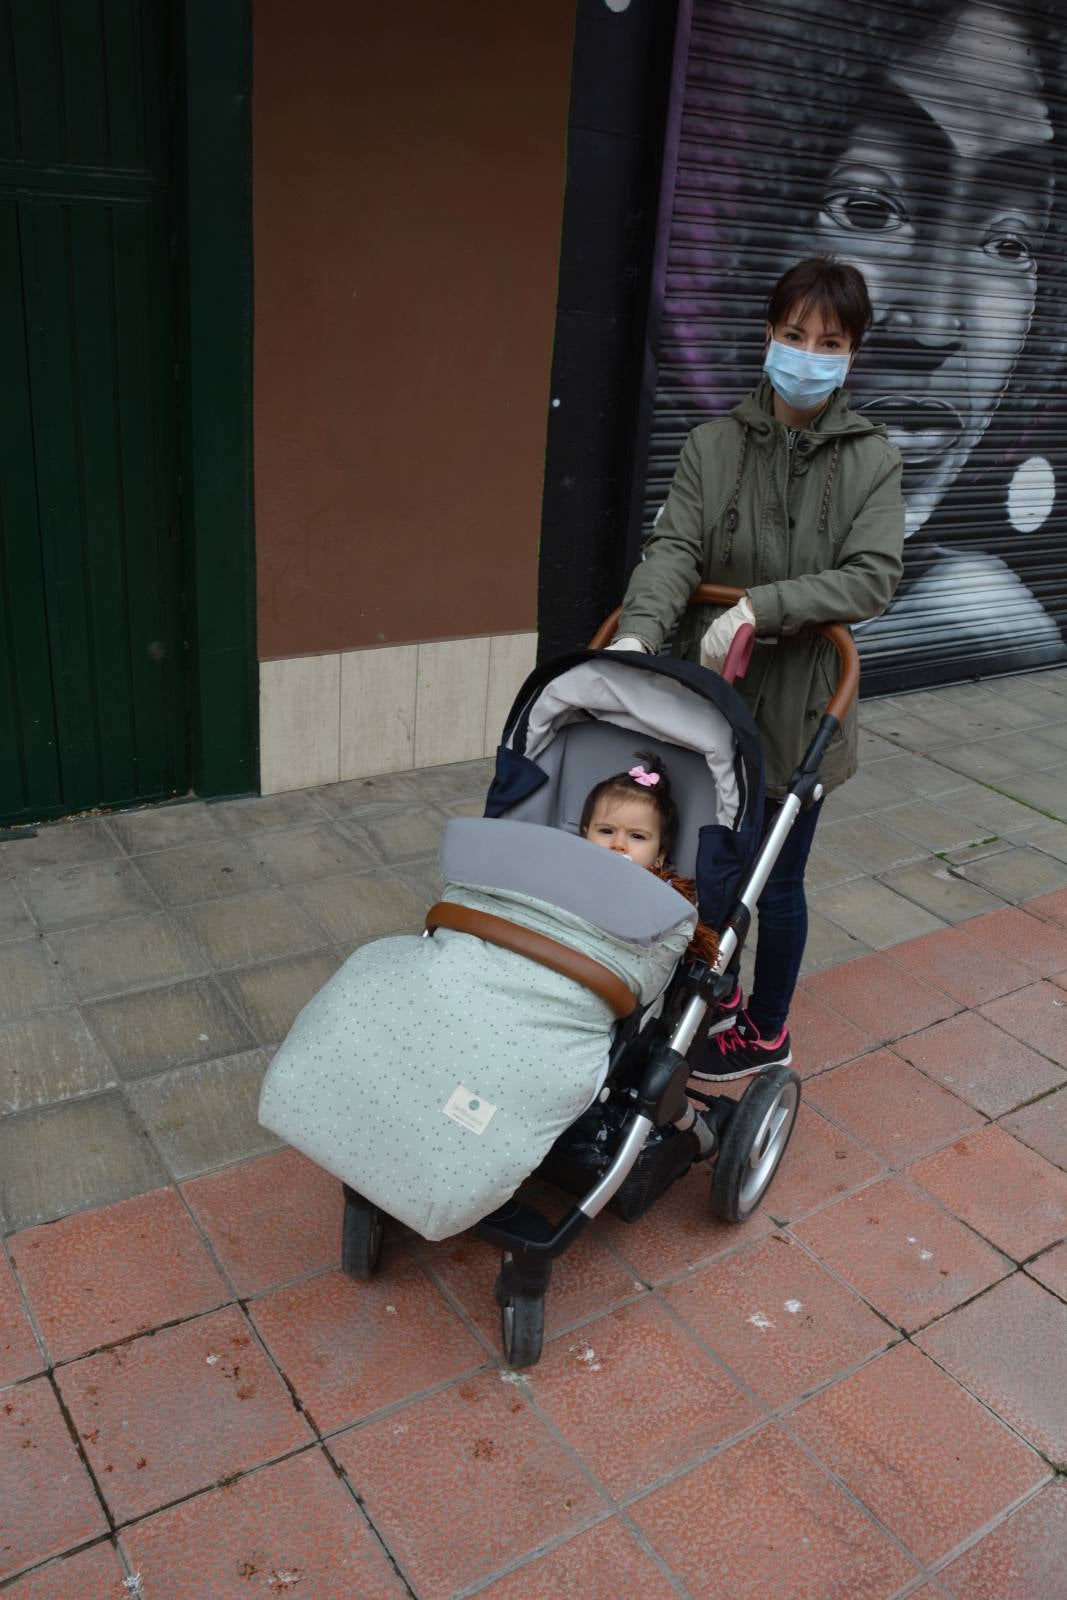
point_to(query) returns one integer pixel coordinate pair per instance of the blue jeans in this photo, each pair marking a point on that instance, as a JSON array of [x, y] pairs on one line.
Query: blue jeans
[[783, 924]]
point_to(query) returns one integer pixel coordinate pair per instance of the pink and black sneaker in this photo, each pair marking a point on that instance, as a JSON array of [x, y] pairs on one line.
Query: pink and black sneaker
[[742, 1050]]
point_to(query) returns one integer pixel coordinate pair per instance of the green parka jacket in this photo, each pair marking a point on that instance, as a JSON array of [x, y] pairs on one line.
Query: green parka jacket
[[818, 537]]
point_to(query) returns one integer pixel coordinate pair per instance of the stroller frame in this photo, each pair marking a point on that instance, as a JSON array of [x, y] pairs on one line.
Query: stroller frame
[[747, 1137]]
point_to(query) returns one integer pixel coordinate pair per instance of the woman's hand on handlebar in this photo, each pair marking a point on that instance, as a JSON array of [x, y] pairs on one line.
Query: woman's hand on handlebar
[[715, 645], [627, 641]]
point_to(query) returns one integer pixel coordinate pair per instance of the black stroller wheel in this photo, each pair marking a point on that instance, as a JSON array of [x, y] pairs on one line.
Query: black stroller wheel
[[522, 1327], [754, 1143], [361, 1236]]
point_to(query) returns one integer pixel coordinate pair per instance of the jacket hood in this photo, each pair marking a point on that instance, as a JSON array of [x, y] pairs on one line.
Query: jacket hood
[[835, 421]]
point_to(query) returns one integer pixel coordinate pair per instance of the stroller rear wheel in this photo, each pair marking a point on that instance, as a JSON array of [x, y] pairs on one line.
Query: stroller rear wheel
[[754, 1143], [522, 1317], [361, 1236]]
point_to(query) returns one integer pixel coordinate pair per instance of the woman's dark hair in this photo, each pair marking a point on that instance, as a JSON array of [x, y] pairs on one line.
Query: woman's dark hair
[[826, 285], [624, 785]]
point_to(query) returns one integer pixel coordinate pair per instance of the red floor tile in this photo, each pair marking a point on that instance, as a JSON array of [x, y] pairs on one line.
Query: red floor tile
[[270, 1220], [762, 1522], [969, 970], [778, 1319], [1025, 939], [351, 1348], [885, 1430], [1038, 1016], [102, 1275], [94, 1574], [289, 1530], [1043, 1126], [638, 1398], [20, 1356], [47, 1503], [1051, 1269], [901, 1252], [604, 1563], [982, 1065], [1010, 1349], [178, 1410], [821, 1164], [1007, 1193], [891, 1107], [822, 1037], [879, 997], [463, 1483], [588, 1278], [1025, 1558], [679, 1231], [1050, 907]]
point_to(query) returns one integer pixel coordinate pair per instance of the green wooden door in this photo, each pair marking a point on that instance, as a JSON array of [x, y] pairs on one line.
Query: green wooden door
[[92, 690]]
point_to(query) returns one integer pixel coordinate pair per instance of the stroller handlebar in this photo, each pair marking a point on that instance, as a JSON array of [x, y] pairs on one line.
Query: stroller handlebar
[[718, 594]]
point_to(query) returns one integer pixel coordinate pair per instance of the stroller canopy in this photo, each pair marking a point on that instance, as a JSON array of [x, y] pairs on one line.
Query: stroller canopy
[[582, 717]]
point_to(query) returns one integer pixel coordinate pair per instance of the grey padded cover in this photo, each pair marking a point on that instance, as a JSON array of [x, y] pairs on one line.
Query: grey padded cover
[[600, 887], [409, 1027]]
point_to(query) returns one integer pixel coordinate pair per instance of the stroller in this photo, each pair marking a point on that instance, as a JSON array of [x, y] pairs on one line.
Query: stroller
[[548, 1018]]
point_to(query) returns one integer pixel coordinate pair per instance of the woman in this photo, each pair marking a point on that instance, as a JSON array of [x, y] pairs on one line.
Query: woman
[[796, 499]]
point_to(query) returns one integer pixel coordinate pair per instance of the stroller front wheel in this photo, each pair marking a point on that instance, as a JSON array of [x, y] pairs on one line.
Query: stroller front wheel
[[754, 1143], [522, 1328], [361, 1236]]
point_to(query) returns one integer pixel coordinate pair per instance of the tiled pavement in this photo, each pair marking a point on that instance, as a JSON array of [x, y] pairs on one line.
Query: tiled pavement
[[859, 1394]]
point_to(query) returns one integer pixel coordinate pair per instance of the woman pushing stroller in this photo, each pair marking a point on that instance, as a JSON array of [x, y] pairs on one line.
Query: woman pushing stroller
[[796, 499]]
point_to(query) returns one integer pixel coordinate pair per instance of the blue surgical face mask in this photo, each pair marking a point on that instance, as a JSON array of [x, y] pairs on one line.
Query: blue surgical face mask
[[803, 380]]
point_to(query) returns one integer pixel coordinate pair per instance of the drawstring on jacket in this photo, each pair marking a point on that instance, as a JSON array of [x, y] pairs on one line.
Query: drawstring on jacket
[[731, 518]]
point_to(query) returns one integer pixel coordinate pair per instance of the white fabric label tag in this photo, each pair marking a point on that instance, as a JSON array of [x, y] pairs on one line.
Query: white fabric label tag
[[469, 1110]]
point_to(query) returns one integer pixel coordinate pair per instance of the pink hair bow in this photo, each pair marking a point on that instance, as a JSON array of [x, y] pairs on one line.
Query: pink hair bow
[[647, 780]]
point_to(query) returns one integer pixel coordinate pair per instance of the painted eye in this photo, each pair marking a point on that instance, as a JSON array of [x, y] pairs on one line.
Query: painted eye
[[1009, 248], [864, 210]]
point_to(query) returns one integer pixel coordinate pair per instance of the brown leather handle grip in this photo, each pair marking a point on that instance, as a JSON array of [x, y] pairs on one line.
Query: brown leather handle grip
[[720, 594], [536, 947]]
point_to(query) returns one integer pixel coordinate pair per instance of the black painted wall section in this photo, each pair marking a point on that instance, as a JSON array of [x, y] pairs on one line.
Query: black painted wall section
[[621, 78]]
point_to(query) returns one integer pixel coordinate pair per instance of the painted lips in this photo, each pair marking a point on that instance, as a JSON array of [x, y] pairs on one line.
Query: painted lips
[[920, 429]]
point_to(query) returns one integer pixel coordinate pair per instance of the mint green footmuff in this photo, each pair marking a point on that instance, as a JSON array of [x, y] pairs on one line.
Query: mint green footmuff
[[433, 1075]]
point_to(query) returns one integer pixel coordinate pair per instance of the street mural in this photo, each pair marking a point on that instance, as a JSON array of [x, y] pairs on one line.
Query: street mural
[[925, 143]]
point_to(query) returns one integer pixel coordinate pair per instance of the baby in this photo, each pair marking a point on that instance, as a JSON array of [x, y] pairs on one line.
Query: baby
[[634, 814]]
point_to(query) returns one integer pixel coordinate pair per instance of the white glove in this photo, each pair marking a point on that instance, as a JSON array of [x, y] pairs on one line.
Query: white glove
[[628, 642], [719, 637]]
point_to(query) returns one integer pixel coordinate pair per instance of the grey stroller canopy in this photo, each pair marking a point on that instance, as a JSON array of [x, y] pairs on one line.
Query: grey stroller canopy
[[581, 717]]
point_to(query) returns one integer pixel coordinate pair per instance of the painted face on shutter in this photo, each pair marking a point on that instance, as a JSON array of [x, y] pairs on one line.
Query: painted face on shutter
[[942, 198]]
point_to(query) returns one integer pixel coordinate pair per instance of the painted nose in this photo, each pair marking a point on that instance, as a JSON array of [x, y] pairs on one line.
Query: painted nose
[[928, 308]]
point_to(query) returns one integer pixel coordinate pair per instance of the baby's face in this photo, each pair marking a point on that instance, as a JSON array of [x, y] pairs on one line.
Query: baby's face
[[630, 827]]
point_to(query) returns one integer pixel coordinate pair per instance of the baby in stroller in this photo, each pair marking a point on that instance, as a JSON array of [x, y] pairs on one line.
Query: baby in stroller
[[554, 984]]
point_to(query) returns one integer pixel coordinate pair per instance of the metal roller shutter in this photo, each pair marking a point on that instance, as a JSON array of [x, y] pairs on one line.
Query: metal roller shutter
[[925, 143]]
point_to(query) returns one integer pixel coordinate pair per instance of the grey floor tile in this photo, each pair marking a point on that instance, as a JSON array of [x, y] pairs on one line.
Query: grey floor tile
[[250, 928], [15, 920], [864, 844], [945, 895], [72, 897], [60, 844], [921, 776], [60, 1159], [204, 1116], [269, 997], [935, 827], [49, 1056], [211, 871], [874, 914], [990, 846], [1051, 837], [828, 943], [1042, 791], [1018, 875], [463, 780], [125, 955], [872, 789], [269, 811], [155, 1029], [303, 855], [365, 797], [1027, 752], [993, 811], [406, 835], [167, 827], [1056, 732], [424, 879], [30, 978], [871, 747], [914, 732], [365, 907], [977, 761]]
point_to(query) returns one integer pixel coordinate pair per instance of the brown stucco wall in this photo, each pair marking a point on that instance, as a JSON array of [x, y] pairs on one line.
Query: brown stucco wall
[[408, 187]]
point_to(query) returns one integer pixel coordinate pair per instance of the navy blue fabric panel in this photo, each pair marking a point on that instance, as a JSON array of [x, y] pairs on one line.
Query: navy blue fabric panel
[[515, 777], [724, 858]]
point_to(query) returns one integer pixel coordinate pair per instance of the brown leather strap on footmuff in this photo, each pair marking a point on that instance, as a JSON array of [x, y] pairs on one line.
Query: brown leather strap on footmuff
[[536, 947]]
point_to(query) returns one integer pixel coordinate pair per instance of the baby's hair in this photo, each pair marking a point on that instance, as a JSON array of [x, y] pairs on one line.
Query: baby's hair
[[624, 784]]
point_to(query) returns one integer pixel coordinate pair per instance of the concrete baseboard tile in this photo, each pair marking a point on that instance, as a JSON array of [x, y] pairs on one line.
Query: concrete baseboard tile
[[511, 660], [299, 714], [453, 684], [378, 710]]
